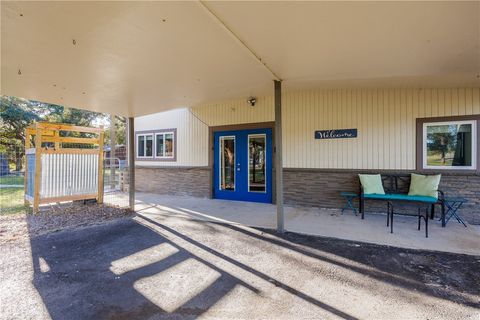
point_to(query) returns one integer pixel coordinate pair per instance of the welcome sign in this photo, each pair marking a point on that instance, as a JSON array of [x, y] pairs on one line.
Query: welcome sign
[[336, 134]]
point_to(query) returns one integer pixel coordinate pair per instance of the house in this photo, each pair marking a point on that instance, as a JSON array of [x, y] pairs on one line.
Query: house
[[263, 101], [225, 150]]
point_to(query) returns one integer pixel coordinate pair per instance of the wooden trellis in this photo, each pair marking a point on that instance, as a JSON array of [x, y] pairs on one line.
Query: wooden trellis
[[57, 173]]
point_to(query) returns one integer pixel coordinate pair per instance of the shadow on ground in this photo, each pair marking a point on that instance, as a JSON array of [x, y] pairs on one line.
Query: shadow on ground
[[442, 275], [99, 272], [73, 274]]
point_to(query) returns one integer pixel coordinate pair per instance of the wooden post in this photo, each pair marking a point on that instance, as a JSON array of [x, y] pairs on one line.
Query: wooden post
[[38, 169], [56, 135], [278, 156], [131, 163], [25, 173], [113, 142], [101, 137]]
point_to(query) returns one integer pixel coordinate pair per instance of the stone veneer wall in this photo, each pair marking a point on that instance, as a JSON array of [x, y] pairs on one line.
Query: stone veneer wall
[[191, 181], [321, 188], [306, 187]]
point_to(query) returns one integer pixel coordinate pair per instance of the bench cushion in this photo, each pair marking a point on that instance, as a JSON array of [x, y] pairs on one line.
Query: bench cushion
[[371, 183], [401, 197], [421, 185]]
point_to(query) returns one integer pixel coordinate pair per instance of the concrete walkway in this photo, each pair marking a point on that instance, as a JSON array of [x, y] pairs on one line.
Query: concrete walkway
[[320, 222]]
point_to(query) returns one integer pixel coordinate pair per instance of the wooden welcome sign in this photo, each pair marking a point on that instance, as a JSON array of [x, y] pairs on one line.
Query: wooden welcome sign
[[336, 134]]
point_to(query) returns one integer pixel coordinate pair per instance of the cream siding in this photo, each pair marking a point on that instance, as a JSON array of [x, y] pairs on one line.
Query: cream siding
[[236, 112], [192, 137], [385, 119]]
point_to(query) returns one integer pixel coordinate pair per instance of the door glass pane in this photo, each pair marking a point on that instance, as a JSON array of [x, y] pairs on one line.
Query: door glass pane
[[141, 146], [256, 163], [450, 145], [160, 145], [227, 163], [168, 145], [149, 145]]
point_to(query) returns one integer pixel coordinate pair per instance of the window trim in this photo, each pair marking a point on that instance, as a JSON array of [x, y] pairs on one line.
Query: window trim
[[474, 145], [144, 144], [421, 123], [154, 147], [163, 133]]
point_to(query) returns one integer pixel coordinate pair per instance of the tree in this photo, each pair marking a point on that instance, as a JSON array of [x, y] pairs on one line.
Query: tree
[[120, 130], [60, 114], [16, 114], [441, 139]]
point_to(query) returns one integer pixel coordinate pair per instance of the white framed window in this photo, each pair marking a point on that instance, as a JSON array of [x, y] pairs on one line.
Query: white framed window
[[145, 145], [165, 145], [450, 145]]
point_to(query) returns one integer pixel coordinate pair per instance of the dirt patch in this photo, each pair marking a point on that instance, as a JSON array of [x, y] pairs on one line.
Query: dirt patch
[[56, 218]]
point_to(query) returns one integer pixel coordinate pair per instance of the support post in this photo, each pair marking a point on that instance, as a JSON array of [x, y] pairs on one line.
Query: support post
[[101, 138], [38, 169], [56, 135], [131, 163], [113, 143], [25, 172], [278, 156]]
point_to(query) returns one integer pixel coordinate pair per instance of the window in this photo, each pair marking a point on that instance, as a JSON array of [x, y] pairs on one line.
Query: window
[[227, 163], [164, 145], [145, 146], [256, 163], [157, 145], [449, 145]]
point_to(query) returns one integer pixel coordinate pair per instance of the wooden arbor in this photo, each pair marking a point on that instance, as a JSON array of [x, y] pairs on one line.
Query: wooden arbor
[[62, 168]]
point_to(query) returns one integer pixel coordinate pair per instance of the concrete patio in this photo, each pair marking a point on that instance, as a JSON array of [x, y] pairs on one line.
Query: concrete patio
[[319, 222]]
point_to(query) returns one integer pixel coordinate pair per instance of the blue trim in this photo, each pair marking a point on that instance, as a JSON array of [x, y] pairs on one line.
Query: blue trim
[[401, 197], [241, 192]]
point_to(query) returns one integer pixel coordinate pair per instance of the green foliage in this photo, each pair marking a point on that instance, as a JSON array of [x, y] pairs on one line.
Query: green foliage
[[16, 114], [120, 129], [76, 117], [441, 139]]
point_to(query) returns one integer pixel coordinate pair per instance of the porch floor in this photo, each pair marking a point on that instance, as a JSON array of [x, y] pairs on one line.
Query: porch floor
[[454, 238]]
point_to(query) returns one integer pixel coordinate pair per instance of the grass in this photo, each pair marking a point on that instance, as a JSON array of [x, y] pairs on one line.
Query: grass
[[11, 201], [435, 159], [11, 180]]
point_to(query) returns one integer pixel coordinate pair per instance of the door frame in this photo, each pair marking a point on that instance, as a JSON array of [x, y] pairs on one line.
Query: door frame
[[235, 127]]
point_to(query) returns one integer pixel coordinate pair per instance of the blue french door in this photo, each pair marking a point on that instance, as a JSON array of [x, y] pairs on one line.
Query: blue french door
[[243, 165]]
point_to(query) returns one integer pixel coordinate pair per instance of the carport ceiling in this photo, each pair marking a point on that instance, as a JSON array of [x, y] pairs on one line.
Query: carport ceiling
[[136, 58]]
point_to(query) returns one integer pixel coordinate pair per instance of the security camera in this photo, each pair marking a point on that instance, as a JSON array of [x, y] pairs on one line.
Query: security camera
[[251, 101]]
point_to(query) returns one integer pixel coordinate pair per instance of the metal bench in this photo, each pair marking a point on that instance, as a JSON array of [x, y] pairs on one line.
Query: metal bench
[[396, 188]]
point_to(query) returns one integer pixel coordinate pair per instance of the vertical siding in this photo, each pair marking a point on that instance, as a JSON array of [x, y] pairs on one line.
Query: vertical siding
[[235, 112], [192, 136], [385, 119]]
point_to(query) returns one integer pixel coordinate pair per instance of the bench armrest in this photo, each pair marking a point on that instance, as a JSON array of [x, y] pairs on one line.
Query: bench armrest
[[441, 196]]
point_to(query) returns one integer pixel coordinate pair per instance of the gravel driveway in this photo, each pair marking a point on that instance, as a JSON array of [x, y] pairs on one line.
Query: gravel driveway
[[166, 266]]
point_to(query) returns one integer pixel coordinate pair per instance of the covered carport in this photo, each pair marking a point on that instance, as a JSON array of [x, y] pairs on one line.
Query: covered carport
[[135, 59]]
